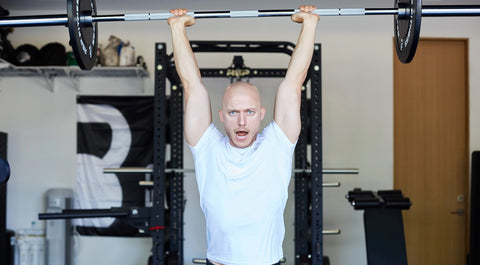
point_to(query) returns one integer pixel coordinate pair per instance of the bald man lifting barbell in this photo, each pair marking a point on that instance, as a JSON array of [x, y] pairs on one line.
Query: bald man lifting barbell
[[243, 176]]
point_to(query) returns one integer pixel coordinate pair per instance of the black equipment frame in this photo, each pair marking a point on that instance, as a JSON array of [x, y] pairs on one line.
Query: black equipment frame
[[383, 224], [5, 254], [474, 254], [308, 223], [157, 216], [152, 220]]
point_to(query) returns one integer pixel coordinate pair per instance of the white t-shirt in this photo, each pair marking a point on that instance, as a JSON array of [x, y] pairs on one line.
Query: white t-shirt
[[243, 193]]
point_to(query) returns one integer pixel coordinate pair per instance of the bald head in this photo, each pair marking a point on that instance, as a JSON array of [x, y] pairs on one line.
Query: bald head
[[241, 113], [241, 89]]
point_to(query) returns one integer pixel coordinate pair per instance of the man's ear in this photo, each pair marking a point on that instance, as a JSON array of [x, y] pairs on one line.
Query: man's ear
[[262, 112], [220, 115]]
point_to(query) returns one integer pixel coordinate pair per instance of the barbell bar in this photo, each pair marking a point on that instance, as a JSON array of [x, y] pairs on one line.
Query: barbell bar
[[149, 183], [88, 19], [329, 171], [82, 22]]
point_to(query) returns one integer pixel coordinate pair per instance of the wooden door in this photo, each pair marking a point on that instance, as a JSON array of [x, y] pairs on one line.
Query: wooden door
[[431, 150]]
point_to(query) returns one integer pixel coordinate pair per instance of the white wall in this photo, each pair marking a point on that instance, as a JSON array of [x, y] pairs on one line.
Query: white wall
[[357, 120]]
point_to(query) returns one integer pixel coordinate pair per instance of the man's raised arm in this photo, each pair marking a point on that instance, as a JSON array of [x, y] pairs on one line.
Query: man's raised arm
[[198, 115], [288, 98]]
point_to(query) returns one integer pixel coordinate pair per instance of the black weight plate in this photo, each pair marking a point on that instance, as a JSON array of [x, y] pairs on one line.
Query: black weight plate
[[4, 171], [407, 29], [83, 34]]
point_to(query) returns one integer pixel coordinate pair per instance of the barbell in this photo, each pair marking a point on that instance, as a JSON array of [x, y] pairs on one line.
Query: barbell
[[82, 22]]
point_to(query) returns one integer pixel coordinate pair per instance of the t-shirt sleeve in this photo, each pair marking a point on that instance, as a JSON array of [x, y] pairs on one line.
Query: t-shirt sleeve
[[211, 134], [273, 130]]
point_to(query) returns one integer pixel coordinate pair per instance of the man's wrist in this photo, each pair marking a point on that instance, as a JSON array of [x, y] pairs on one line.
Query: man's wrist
[[177, 26]]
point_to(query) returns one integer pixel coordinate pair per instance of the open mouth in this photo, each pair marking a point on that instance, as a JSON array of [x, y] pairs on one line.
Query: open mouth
[[241, 134]]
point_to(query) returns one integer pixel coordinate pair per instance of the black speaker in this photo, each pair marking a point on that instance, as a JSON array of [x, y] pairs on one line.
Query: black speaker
[[474, 257]]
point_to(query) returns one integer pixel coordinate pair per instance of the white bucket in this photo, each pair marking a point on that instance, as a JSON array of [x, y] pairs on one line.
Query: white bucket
[[30, 247]]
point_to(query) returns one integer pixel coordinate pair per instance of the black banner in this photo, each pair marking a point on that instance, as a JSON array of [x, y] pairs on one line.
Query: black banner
[[112, 132]]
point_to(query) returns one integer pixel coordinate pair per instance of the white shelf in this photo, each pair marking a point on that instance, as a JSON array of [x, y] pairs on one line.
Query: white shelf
[[51, 72]]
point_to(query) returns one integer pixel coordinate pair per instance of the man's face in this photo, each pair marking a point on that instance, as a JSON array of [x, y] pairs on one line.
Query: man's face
[[241, 114]]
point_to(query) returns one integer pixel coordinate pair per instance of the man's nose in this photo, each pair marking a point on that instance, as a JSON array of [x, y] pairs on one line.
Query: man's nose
[[242, 119]]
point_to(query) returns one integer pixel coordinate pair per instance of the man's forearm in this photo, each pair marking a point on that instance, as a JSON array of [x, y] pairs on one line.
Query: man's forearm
[[288, 98], [198, 114], [185, 62], [302, 55]]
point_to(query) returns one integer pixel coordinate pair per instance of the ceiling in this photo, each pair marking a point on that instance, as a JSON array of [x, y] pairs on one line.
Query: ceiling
[[146, 6]]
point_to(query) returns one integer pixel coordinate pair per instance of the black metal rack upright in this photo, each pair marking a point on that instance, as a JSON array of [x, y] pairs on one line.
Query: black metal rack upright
[[157, 212], [317, 157], [5, 249], [308, 201]]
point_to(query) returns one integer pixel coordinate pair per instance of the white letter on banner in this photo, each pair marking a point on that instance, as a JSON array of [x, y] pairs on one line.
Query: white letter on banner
[[94, 189]]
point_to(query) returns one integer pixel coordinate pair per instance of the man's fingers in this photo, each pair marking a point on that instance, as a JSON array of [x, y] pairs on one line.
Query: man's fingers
[[307, 9], [178, 12]]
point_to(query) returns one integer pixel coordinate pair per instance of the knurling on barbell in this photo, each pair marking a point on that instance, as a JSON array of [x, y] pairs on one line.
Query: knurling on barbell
[[82, 19]]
